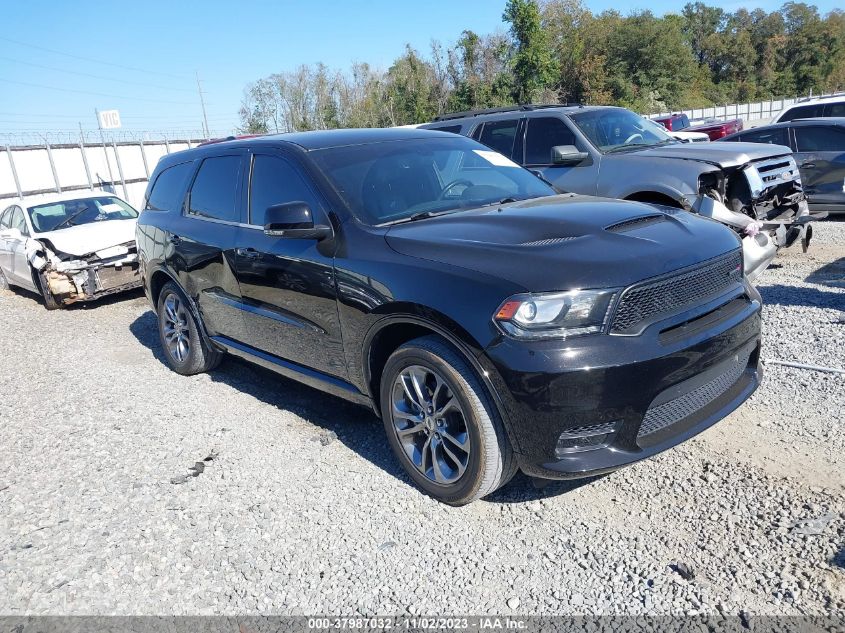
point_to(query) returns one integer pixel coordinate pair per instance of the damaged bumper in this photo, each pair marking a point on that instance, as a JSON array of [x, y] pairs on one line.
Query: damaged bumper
[[761, 239], [71, 279]]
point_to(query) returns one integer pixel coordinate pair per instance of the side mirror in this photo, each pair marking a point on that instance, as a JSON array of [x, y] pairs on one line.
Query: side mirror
[[11, 234], [293, 220], [567, 155]]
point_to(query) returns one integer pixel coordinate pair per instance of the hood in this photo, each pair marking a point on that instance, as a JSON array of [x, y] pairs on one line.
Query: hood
[[84, 239], [566, 242], [719, 154]]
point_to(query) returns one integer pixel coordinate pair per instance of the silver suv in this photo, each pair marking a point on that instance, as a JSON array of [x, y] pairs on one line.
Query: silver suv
[[612, 152]]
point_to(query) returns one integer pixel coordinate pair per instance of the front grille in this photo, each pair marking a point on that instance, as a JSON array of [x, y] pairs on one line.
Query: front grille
[[777, 170], [109, 277], [669, 413], [652, 299]]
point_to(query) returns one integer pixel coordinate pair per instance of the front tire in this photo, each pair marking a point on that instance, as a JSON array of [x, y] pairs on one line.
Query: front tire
[[49, 300], [185, 348], [441, 423]]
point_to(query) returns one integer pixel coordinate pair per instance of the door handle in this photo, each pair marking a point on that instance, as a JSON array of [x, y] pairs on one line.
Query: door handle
[[175, 239], [808, 165], [248, 253]]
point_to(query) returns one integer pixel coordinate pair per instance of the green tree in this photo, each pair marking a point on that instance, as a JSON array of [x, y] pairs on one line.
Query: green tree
[[533, 66]]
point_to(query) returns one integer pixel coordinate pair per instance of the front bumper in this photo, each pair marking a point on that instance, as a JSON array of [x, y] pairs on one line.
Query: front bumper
[[626, 397], [92, 282]]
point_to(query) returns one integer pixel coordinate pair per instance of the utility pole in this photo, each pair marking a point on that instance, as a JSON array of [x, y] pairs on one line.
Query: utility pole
[[105, 151], [202, 103]]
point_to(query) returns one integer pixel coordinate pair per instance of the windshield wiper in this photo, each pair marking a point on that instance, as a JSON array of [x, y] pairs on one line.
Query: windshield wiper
[[68, 220]]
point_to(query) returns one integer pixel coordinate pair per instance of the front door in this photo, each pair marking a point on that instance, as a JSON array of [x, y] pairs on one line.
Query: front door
[[288, 285], [821, 159], [544, 133], [20, 270]]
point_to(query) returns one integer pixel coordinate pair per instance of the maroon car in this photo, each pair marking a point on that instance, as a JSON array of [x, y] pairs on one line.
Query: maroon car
[[714, 128]]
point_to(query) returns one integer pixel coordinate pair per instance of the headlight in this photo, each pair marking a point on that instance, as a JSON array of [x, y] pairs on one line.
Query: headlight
[[555, 315]]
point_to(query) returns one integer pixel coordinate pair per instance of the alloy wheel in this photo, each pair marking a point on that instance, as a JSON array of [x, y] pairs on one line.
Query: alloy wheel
[[177, 333], [430, 424]]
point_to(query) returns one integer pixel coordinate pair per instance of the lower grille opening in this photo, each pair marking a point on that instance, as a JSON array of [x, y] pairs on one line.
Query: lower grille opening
[[671, 412], [586, 438]]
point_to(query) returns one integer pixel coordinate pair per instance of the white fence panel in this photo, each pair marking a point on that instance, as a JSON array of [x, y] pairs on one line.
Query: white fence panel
[[757, 111], [121, 168]]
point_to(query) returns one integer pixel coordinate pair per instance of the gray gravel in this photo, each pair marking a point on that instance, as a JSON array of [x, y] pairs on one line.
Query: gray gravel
[[127, 489]]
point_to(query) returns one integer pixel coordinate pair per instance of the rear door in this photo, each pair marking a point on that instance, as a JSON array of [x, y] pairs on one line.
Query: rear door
[[202, 240], [287, 285], [501, 136], [820, 153]]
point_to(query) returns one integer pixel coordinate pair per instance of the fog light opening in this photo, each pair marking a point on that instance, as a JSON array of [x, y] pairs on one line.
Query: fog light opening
[[586, 438]]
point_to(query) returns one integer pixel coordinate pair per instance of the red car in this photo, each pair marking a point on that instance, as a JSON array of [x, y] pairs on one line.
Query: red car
[[714, 128]]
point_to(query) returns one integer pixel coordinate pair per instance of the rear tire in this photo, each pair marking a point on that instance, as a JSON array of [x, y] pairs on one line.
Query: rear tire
[[441, 423], [185, 348], [4, 283]]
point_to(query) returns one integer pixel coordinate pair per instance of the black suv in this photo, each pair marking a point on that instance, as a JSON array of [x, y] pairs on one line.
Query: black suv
[[492, 324]]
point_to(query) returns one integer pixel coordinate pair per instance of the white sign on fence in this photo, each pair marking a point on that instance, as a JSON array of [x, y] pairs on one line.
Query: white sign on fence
[[109, 119]]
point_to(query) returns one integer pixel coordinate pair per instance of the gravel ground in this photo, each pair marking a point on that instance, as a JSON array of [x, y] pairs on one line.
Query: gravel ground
[[300, 508]]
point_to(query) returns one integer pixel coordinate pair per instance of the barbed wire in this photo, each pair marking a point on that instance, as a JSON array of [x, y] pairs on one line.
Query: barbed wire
[[54, 137]]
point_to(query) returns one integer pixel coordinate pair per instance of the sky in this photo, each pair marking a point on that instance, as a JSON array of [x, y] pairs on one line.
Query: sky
[[59, 60]]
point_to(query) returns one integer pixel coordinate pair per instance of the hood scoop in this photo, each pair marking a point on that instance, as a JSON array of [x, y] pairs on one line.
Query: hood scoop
[[551, 241], [635, 223]]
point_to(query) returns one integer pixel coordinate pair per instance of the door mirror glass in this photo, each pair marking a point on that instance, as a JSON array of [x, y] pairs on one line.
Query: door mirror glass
[[567, 155], [293, 220]]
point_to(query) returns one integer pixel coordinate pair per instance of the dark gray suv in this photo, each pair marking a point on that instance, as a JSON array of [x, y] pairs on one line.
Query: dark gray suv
[[613, 152]]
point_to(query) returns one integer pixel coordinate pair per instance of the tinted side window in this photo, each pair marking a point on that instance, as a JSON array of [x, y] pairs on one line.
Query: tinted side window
[[775, 136], [544, 134], [499, 135], [820, 139], [275, 181], [169, 188], [454, 129], [803, 112], [5, 218], [835, 109], [214, 193]]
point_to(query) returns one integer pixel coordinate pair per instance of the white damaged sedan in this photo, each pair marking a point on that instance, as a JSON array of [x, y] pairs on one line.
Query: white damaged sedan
[[68, 247]]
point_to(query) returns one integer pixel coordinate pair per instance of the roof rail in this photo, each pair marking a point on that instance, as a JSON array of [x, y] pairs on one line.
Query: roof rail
[[514, 108]]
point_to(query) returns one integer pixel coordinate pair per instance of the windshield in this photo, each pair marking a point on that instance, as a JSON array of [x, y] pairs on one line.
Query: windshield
[[400, 180], [60, 215], [615, 129]]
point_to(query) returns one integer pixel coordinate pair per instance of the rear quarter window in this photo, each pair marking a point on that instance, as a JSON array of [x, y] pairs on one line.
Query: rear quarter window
[[168, 190]]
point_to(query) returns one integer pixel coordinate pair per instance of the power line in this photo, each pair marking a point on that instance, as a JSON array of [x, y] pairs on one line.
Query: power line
[[81, 74], [91, 59], [97, 94], [122, 116]]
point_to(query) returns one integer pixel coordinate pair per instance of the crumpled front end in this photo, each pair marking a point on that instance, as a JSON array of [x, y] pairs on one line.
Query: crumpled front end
[[764, 202], [70, 278]]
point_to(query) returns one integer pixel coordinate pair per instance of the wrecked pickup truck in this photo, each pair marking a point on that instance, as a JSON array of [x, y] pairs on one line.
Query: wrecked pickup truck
[[69, 248], [607, 151]]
